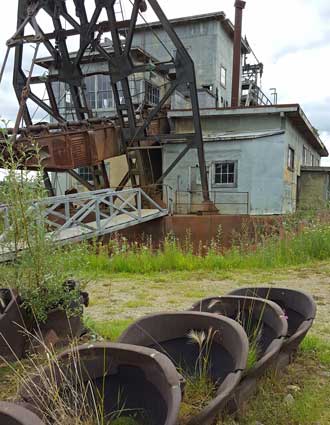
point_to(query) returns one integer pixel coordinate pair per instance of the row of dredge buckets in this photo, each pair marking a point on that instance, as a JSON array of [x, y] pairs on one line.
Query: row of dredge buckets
[[241, 335]]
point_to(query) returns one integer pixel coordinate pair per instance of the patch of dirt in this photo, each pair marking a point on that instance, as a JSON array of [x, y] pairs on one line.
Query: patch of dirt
[[174, 291]]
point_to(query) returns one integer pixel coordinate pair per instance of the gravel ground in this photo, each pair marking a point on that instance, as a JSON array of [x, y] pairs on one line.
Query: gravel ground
[[134, 296]]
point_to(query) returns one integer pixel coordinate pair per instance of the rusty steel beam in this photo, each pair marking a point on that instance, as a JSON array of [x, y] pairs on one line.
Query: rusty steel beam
[[62, 145]]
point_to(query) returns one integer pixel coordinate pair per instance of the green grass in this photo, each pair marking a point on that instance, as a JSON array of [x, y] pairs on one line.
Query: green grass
[[315, 346], [197, 394], [310, 246], [311, 399], [89, 262], [110, 330]]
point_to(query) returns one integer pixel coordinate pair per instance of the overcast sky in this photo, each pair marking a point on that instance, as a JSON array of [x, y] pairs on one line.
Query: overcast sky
[[291, 38]]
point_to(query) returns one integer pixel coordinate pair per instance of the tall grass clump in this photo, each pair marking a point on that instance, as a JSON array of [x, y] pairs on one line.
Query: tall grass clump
[[199, 386], [62, 391], [265, 251]]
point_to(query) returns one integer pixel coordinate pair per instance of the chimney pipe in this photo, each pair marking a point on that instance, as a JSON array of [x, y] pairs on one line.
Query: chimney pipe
[[236, 83]]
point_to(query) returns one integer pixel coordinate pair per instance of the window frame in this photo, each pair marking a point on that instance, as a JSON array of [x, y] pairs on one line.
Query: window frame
[[152, 93], [95, 96], [86, 174], [305, 155], [291, 164], [225, 185], [225, 70]]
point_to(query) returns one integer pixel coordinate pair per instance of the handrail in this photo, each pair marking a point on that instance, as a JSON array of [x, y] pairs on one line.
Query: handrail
[[190, 203], [93, 212]]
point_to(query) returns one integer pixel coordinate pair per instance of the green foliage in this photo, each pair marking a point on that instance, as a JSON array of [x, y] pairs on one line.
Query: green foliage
[[199, 387], [310, 399], [310, 245], [108, 330], [314, 345], [38, 275], [252, 356]]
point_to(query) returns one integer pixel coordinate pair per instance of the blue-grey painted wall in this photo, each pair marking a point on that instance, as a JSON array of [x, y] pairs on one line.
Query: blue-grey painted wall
[[265, 184], [260, 171], [208, 44]]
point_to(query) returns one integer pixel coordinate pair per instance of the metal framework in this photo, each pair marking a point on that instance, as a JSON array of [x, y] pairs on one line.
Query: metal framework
[[89, 28], [88, 215], [252, 94]]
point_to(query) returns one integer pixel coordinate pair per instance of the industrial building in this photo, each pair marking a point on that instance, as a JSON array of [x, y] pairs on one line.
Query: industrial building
[[254, 148]]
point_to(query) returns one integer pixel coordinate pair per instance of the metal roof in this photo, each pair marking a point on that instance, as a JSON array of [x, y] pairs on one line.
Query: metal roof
[[246, 135], [96, 57], [230, 136], [292, 111]]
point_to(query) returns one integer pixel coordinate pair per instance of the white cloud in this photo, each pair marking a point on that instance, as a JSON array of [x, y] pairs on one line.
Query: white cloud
[[291, 38]]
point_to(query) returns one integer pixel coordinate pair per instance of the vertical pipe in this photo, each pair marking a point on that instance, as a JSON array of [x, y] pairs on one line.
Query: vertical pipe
[[236, 83]]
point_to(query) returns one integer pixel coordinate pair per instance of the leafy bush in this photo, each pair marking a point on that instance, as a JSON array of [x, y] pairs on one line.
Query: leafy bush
[[38, 275]]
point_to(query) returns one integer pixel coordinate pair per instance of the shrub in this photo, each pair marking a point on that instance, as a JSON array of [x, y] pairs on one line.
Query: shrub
[[38, 275]]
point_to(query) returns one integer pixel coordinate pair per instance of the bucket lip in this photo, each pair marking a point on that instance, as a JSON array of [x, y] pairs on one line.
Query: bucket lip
[[170, 374], [271, 304], [214, 407], [236, 327], [187, 313], [163, 361], [20, 414], [279, 289]]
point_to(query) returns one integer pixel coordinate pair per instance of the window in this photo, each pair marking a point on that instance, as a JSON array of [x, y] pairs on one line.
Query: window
[[104, 92], [312, 160], [86, 174], [152, 94], [223, 77], [317, 162], [291, 159], [135, 90], [99, 92], [90, 83], [225, 173], [305, 156]]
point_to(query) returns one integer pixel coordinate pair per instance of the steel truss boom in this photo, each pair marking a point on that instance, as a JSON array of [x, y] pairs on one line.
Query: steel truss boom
[[89, 28]]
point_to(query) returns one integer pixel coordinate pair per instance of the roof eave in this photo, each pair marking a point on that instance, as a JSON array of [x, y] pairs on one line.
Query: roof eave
[[292, 111]]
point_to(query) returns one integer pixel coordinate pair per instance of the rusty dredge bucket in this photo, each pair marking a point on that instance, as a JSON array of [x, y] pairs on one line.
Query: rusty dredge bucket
[[19, 332], [263, 321], [266, 328], [122, 381], [298, 307], [14, 414], [12, 338], [224, 343]]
